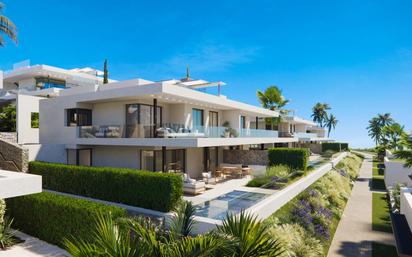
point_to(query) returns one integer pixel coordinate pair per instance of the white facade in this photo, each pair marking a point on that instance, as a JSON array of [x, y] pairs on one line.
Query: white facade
[[395, 173], [14, 184]]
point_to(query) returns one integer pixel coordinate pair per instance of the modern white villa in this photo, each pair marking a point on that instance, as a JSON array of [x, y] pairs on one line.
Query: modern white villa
[[156, 126]]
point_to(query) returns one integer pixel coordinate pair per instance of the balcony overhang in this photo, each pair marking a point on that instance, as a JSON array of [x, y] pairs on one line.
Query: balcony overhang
[[14, 184], [181, 142]]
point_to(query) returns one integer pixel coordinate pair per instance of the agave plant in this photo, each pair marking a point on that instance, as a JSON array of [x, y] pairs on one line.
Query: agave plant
[[7, 235], [238, 236]]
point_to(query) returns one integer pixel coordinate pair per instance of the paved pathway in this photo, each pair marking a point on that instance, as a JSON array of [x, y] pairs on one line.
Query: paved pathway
[[354, 234], [33, 247]]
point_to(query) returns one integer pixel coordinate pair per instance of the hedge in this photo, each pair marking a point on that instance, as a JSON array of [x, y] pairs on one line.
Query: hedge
[[52, 217], [296, 158], [151, 190], [344, 146], [336, 147]]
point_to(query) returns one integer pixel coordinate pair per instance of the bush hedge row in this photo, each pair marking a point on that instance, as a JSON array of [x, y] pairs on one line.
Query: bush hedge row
[[295, 158], [156, 191], [52, 217], [335, 146]]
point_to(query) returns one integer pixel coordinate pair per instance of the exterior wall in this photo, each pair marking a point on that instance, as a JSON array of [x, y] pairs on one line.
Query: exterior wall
[[15, 153], [246, 157], [300, 128], [9, 136], [124, 157], [396, 173], [233, 117], [47, 153], [25, 105], [406, 205], [194, 162]]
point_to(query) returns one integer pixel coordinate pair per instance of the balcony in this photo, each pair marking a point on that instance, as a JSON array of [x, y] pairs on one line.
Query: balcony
[[170, 130], [303, 135]]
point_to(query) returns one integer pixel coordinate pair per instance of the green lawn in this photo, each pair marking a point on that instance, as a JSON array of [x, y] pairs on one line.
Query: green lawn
[[377, 180], [380, 213], [381, 250]]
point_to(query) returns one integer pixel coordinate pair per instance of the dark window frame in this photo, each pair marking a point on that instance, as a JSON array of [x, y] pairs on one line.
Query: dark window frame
[[202, 112], [77, 111]]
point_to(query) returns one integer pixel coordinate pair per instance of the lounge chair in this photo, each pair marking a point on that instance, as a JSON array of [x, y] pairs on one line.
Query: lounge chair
[[193, 187]]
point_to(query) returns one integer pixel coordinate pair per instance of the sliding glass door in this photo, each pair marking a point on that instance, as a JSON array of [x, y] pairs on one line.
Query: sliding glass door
[[197, 115], [151, 160], [140, 120]]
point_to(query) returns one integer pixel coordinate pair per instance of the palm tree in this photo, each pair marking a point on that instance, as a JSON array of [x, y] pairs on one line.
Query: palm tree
[[238, 236], [406, 155], [331, 123], [392, 135], [374, 130], [320, 114], [385, 119], [7, 27], [376, 124], [272, 99]]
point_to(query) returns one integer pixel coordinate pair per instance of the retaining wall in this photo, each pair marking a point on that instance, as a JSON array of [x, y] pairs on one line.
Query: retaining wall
[[246, 157], [15, 153]]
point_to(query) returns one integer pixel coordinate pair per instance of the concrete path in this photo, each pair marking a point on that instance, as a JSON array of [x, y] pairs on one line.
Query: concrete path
[[354, 234], [33, 247]]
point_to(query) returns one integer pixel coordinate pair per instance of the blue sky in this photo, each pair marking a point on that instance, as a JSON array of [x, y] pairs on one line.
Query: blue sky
[[354, 55]]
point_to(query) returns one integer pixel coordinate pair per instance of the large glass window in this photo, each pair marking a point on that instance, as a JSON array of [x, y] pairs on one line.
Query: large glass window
[[81, 157], [242, 122], [213, 119], [47, 82], [79, 117], [140, 120], [152, 160], [197, 118]]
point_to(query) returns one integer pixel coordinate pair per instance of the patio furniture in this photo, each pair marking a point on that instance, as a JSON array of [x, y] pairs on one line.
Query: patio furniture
[[246, 171], [208, 178], [193, 187]]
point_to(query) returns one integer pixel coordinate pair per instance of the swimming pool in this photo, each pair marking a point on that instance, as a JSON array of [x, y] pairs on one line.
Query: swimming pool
[[233, 202]]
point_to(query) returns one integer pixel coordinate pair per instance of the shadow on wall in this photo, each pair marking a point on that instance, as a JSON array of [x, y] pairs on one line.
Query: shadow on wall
[[47, 153]]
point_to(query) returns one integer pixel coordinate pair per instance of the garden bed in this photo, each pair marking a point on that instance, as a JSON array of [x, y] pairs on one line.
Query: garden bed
[[308, 222]]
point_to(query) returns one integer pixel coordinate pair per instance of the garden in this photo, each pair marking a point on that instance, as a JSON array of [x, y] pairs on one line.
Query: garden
[[306, 225]]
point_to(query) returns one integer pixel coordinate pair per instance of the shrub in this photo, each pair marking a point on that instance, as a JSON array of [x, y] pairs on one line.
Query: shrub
[[295, 158], [52, 217], [259, 182], [336, 147], [280, 171], [296, 241], [344, 146], [157, 191], [2, 210]]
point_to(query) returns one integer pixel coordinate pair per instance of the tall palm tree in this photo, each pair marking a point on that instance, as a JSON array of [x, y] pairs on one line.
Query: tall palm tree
[[320, 114], [331, 123], [392, 134], [7, 27], [374, 130], [385, 119], [272, 99]]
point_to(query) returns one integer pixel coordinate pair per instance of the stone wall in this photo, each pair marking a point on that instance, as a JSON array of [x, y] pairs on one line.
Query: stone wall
[[9, 136], [15, 153], [246, 157]]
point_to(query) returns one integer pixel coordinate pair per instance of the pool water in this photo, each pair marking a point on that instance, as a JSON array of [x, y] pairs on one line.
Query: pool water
[[233, 202]]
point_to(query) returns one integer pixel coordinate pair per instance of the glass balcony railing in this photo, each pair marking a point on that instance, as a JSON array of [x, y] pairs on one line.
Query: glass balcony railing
[[169, 130], [304, 135]]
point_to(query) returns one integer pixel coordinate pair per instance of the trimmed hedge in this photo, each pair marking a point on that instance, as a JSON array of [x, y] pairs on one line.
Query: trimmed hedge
[[344, 146], [151, 190], [52, 217], [295, 158], [336, 147]]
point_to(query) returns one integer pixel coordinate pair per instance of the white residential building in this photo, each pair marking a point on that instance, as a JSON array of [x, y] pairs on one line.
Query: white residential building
[[117, 125]]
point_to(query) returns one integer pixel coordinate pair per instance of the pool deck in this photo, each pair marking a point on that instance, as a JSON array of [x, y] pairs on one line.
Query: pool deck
[[226, 187]]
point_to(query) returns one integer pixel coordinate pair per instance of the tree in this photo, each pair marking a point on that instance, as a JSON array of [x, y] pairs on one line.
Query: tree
[[376, 124], [105, 73], [7, 27], [320, 114], [237, 236], [391, 135], [331, 123], [406, 141], [272, 99], [8, 118]]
